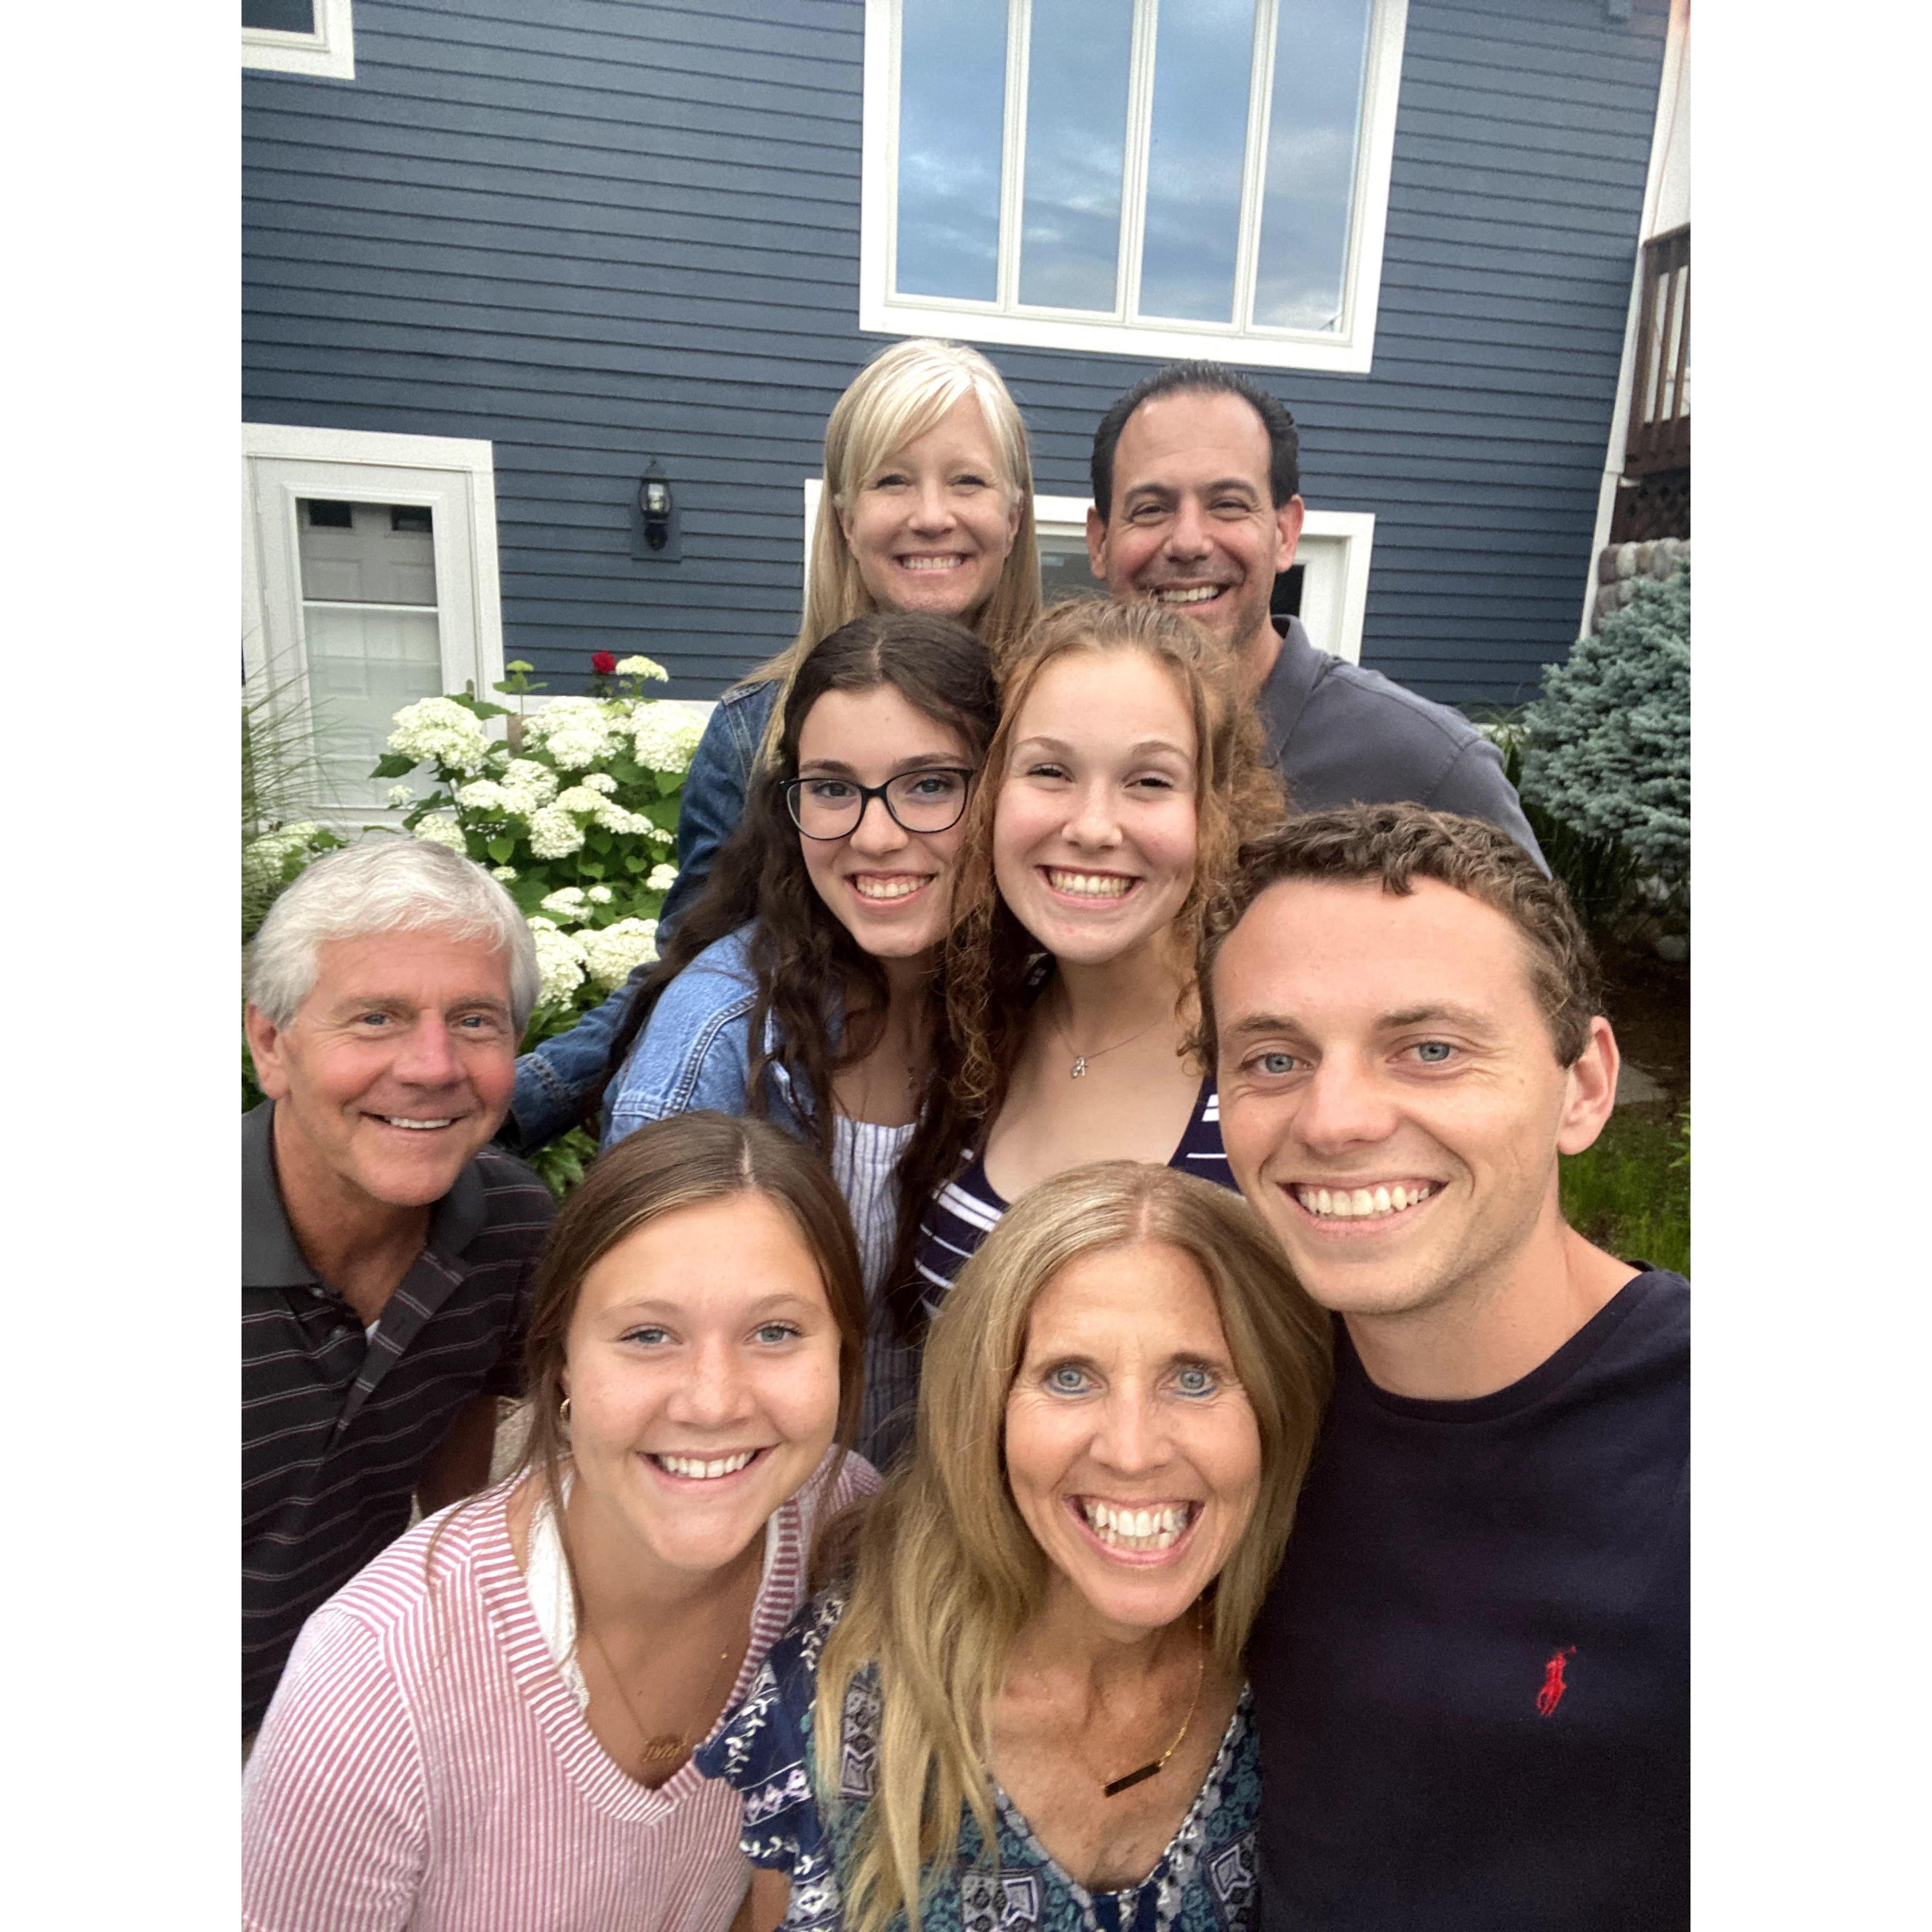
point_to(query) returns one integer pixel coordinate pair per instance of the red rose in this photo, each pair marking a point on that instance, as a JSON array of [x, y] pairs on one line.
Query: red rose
[[603, 663]]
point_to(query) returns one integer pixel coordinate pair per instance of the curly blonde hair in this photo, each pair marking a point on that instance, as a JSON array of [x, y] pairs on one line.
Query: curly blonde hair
[[1237, 796]]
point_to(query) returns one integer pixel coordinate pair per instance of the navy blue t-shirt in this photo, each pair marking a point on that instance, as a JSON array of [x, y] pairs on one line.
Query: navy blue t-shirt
[[1471, 1677]]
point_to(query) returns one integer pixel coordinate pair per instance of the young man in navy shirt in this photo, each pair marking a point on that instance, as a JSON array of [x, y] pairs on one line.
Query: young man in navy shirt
[[1471, 1676]]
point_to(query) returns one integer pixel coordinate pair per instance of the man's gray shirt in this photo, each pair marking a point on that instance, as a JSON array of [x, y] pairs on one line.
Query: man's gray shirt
[[1344, 736]]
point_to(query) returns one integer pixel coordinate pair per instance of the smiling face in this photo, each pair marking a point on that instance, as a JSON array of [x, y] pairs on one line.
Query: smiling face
[[397, 1068], [930, 527], [1391, 1096], [1131, 1450], [889, 888], [702, 1367], [1192, 522], [1094, 830]]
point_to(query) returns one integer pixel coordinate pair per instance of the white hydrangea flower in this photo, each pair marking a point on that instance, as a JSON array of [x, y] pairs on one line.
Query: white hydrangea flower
[[641, 667], [566, 902], [664, 739], [599, 781], [528, 786], [575, 731], [613, 954], [613, 817], [662, 878], [506, 873], [484, 795], [440, 829], [600, 895], [401, 798], [554, 834], [560, 963], [580, 798], [438, 730]]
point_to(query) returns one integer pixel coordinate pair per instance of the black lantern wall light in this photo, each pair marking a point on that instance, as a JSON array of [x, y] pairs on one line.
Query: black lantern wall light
[[655, 533]]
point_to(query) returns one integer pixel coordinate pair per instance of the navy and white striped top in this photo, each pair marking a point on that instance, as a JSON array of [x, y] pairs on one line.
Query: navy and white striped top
[[961, 1214]]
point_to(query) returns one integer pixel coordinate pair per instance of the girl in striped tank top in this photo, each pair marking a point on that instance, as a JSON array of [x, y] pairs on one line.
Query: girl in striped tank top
[[493, 1724], [1126, 771]]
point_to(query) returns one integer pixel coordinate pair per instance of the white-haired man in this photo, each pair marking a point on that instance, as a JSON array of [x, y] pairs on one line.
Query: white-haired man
[[387, 1248]]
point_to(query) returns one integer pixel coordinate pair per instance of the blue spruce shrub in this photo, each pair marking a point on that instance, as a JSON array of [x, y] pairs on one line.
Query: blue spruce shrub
[[1608, 748]]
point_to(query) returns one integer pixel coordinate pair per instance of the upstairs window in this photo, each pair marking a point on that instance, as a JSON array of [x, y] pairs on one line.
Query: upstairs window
[[311, 37], [1163, 177]]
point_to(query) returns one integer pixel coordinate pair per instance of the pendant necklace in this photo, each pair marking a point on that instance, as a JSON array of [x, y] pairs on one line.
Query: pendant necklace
[[1128, 1780], [1080, 1060], [666, 1745]]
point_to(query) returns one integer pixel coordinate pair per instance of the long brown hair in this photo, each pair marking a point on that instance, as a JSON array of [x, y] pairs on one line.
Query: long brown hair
[[989, 955], [948, 1574], [682, 1162], [805, 962], [667, 1165]]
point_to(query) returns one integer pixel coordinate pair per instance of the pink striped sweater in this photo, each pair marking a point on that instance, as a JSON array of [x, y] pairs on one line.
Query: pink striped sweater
[[425, 1765]]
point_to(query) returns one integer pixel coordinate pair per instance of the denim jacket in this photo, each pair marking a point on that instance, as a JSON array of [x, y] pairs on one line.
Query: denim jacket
[[553, 1082], [695, 1050]]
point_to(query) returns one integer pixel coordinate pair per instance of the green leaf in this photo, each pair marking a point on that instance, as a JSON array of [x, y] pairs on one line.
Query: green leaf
[[598, 838], [590, 869], [636, 862], [669, 782], [393, 765], [500, 850]]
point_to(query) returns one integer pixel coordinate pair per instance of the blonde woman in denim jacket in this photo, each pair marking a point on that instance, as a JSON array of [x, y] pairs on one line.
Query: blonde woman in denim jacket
[[929, 476]]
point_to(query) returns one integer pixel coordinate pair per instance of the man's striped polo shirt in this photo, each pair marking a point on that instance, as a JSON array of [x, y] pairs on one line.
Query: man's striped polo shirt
[[336, 1425]]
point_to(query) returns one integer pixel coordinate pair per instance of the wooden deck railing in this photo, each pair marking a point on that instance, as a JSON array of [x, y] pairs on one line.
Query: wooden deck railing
[[1660, 416]]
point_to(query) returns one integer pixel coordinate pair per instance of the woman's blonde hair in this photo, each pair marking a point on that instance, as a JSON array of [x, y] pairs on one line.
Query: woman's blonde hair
[[900, 394], [1237, 796], [948, 1574]]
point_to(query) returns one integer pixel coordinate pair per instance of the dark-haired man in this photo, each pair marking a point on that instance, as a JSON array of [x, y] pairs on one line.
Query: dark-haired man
[[1196, 504], [1471, 1676]]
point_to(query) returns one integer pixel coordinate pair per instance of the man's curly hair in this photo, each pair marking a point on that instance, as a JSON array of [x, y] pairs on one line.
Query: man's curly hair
[[1397, 844]]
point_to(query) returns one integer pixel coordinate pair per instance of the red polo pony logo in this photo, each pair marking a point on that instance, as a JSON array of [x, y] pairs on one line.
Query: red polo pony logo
[[1551, 1695]]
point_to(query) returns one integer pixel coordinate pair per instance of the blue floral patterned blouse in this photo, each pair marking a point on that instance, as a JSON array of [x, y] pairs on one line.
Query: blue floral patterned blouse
[[1204, 1882]]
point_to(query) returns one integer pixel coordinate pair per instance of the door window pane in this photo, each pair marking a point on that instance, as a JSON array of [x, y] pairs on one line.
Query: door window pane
[[280, 17], [1203, 55], [952, 94], [1321, 46], [1064, 571], [369, 628], [1076, 134]]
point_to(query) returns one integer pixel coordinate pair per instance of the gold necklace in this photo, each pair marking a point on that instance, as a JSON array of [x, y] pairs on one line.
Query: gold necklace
[[655, 1750], [1080, 1060], [1154, 1765]]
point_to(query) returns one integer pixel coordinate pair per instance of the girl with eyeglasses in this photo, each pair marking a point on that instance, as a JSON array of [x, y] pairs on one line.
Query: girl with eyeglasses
[[801, 984]]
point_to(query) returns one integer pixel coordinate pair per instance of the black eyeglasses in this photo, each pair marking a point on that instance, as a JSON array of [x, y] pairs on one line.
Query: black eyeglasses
[[932, 798]]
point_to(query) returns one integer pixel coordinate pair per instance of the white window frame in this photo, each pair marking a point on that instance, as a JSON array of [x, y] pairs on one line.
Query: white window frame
[[328, 54], [1335, 577], [1347, 350], [454, 477]]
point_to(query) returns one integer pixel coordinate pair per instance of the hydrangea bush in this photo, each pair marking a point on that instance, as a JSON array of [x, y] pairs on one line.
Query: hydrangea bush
[[1607, 745], [574, 809]]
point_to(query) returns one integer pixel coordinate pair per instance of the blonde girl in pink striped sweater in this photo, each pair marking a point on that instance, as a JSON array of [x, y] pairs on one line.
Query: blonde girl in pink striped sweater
[[492, 1725]]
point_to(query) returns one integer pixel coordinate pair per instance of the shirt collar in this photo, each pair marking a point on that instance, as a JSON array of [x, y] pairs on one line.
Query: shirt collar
[[270, 1257], [1287, 689]]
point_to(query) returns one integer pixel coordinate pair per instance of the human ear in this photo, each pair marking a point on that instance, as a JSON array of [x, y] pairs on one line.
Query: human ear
[[1288, 517], [1590, 1089], [1096, 543], [265, 1049]]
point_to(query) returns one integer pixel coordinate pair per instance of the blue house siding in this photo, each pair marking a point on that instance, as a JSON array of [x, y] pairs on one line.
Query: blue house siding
[[597, 233]]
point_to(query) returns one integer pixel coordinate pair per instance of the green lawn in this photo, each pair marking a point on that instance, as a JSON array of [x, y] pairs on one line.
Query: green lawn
[[1631, 1193]]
